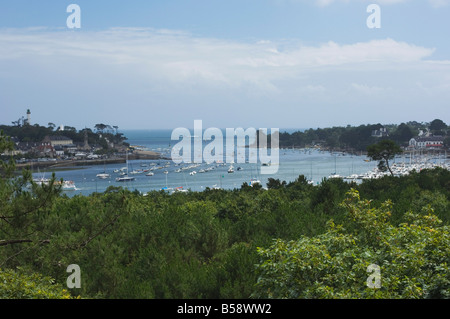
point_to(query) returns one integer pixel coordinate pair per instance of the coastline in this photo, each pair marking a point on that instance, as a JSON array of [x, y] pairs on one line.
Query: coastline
[[60, 164]]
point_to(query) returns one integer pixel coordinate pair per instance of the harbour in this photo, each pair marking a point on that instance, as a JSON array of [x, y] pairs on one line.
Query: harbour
[[163, 174]]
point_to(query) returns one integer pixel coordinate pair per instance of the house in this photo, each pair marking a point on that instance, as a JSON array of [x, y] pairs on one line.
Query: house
[[55, 140], [12, 153], [45, 149], [58, 141], [59, 150], [428, 142], [382, 132]]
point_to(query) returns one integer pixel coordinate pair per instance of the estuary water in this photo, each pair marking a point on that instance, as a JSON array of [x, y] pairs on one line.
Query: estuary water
[[314, 164]]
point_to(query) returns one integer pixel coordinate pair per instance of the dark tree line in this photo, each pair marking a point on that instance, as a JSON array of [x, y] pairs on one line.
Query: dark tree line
[[358, 138]]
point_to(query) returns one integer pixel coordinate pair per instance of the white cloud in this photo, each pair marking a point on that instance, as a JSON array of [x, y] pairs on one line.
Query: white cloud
[[181, 58], [146, 71]]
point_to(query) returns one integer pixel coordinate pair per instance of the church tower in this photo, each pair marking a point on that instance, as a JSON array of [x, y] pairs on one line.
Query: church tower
[[86, 144]]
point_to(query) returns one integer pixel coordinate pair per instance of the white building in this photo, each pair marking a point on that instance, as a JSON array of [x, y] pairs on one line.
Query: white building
[[427, 142], [55, 140], [382, 132]]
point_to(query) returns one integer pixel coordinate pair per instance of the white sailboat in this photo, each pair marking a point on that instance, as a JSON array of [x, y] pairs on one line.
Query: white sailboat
[[103, 175], [42, 180], [167, 188], [310, 180], [335, 174], [125, 178], [254, 181]]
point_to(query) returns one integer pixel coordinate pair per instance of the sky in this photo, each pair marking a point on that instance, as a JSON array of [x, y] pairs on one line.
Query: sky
[[231, 63]]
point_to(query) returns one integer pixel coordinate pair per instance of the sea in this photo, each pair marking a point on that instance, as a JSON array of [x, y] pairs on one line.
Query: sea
[[314, 164]]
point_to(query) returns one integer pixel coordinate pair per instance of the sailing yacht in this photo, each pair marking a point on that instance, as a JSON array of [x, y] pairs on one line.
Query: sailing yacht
[[254, 181], [335, 174], [42, 180], [167, 188], [103, 175], [125, 178]]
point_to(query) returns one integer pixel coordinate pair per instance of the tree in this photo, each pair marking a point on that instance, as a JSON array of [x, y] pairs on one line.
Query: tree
[[447, 142], [273, 183], [100, 127], [70, 129], [437, 125], [20, 210], [19, 122], [403, 133], [412, 258], [18, 285], [383, 151]]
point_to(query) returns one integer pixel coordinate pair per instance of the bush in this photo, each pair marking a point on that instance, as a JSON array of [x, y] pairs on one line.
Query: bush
[[412, 258], [18, 285]]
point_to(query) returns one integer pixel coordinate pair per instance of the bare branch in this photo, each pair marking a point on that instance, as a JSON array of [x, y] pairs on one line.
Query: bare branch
[[21, 241]]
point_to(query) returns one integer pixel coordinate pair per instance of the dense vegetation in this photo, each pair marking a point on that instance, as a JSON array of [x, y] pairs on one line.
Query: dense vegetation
[[293, 240], [358, 138]]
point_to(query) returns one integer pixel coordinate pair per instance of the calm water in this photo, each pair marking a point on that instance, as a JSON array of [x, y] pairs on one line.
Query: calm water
[[314, 164]]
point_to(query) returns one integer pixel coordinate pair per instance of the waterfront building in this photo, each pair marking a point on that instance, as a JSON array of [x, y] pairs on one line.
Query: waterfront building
[[427, 142]]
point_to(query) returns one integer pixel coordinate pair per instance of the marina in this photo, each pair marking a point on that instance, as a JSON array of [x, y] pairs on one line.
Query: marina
[[152, 175]]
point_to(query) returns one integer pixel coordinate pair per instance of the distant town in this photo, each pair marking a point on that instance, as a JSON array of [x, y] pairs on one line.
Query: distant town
[[41, 146]]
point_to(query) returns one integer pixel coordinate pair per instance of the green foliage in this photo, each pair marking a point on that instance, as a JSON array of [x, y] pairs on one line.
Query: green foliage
[[402, 134], [27, 133], [437, 125], [18, 285], [413, 258], [6, 145], [275, 183], [356, 138]]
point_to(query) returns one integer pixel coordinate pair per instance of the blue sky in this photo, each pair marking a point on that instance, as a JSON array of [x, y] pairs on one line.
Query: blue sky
[[248, 63]]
